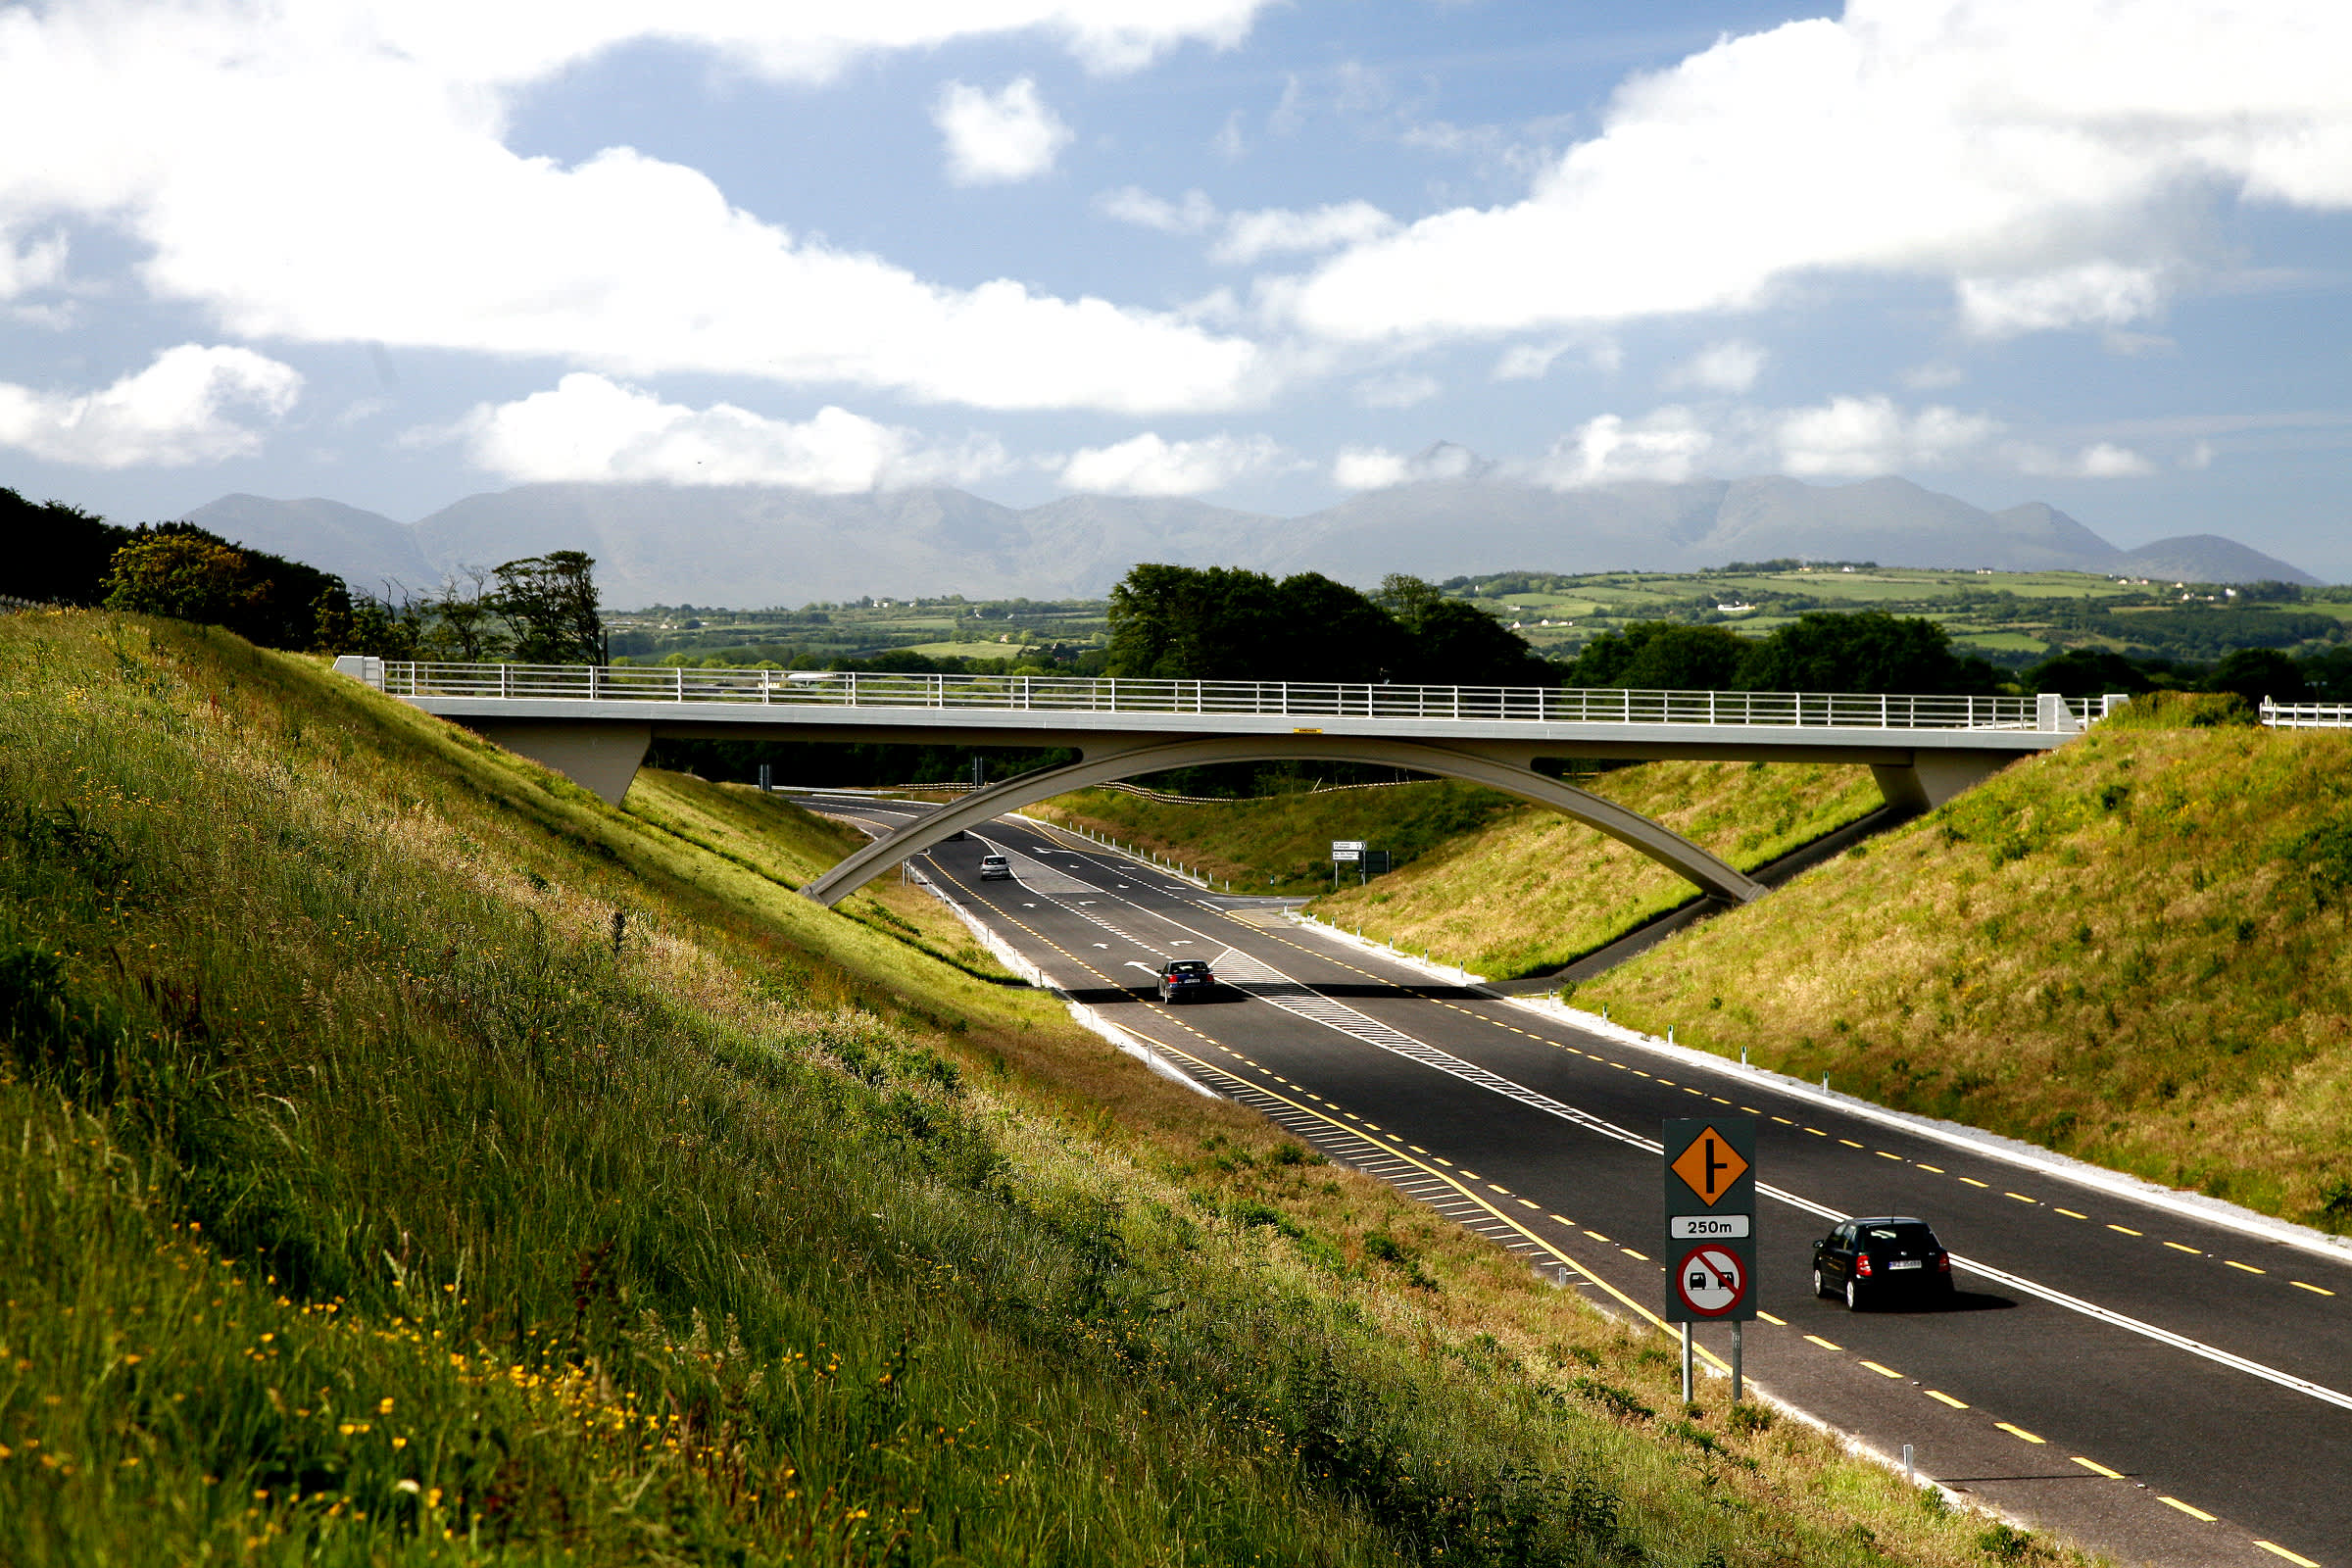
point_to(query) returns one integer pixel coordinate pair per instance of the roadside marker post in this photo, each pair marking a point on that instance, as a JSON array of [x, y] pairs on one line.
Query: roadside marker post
[[1710, 1214]]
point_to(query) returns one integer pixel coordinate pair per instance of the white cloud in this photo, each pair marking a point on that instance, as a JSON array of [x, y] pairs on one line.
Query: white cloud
[[1252, 236], [1147, 465], [2055, 161], [1377, 468], [590, 428], [1399, 391], [2101, 460], [37, 263], [1933, 375], [398, 214], [1665, 446], [1721, 368], [1249, 237], [181, 410], [1527, 362], [1852, 436], [998, 138]]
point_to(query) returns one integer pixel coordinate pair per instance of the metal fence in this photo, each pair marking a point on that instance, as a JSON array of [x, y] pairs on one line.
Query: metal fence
[[2307, 715], [1055, 694]]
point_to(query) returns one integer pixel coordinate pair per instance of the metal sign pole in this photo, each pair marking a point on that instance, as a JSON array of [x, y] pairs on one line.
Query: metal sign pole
[[1710, 1215], [1685, 1363], [1739, 1329]]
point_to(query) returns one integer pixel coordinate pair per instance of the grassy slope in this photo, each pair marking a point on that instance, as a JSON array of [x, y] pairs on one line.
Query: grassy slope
[[363, 1200], [1499, 886], [2132, 950]]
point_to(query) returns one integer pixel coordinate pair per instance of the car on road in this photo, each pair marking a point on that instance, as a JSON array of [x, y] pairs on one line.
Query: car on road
[[1869, 1261], [995, 868], [1180, 978]]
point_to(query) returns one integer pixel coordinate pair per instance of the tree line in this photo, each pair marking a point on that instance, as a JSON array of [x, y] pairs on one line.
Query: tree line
[[540, 609]]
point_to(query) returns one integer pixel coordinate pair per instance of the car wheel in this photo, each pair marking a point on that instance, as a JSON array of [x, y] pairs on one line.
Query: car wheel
[[1820, 1286], [1853, 1297]]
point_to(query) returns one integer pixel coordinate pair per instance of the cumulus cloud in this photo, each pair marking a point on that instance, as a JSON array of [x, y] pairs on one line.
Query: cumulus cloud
[[1665, 446], [589, 427], [1721, 368], [398, 215], [1001, 137], [1854, 437], [1148, 465], [1244, 239], [1399, 391], [182, 409], [1377, 468], [29, 264], [2054, 161], [2101, 460]]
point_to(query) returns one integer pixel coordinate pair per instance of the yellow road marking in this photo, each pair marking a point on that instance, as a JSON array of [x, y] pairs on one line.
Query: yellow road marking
[[2098, 1469], [1525, 1204], [2191, 1251], [1784, 1121], [1824, 1343], [2021, 1198], [2188, 1508], [1849, 1142], [1936, 1169], [2127, 1230], [1416, 1149], [2070, 1213], [2276, 1550], [1943, 1398], [1668, 1082], [1818, 1133], [1597, 1236], [2248, 1267], [1629, 1252], [1751, 1111], [1719, 1099], [1776, 1322], [1883, 1154], [1700, 1093], [2018, 1432], [2313, 1289], [1972, 1181], [1470, 1175], [1883, 1371], [1564, 1219]]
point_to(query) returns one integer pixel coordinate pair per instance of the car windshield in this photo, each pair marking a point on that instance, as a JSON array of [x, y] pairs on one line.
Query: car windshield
[[1187, 966], [1913, 1238]]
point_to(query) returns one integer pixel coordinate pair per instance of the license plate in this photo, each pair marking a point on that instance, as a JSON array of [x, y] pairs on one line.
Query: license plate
[[1908, 1264]]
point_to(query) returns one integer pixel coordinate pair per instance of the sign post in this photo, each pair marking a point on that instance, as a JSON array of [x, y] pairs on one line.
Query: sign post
[[1345, 850], [1711, 1230]]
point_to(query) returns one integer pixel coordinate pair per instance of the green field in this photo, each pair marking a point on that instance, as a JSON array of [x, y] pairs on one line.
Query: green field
[[412, 1160]]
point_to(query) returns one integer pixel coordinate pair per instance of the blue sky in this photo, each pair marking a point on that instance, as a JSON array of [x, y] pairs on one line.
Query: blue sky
[[2092, 252]]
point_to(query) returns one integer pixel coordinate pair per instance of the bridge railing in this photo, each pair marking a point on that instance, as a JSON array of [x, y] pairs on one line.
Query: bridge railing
[[2307, 715], [1278, 699]]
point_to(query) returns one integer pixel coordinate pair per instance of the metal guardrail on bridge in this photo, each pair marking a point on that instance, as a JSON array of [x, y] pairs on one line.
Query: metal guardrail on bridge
[[1270, 699], [2307, 715]]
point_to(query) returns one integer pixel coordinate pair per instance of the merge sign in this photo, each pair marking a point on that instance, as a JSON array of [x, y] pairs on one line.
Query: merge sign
[[1710, 1219]]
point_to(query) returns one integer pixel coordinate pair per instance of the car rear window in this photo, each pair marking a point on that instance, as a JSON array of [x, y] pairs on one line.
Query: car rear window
[[1187, 966], [1899, 1238]]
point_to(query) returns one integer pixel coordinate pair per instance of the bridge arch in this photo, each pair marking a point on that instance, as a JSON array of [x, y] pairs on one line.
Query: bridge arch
[[1661, 844]]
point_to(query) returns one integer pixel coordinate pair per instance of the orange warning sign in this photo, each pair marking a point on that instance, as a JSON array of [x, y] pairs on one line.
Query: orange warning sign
[[1709, 1166]]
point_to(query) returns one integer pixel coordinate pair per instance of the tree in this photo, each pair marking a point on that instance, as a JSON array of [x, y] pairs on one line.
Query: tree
[[1195, 624], [463, 622], [1451, 642], [189, 576], [57, 554], [1661, 655], [549, 603], [2087, 673], [1824, 651], [2256, 673]]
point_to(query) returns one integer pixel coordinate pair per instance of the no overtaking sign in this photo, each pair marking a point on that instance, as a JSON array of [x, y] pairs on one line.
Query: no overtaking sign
[[1711, 1219]]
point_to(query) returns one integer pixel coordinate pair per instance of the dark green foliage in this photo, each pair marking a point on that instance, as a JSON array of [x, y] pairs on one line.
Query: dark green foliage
[[1824, 650], [56, 554], [2257, 673], [1223, 623], [2087, 673], [190, 573], [550, 606], [1661, 655]]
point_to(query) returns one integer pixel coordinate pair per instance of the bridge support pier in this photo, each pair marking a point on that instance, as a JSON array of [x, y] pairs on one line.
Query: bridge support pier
[[600, 757], [1931, 778], [1500, 765]]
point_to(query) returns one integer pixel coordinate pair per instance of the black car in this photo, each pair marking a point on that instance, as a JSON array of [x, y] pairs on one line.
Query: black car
[[1180, 978], [1871, 1260]]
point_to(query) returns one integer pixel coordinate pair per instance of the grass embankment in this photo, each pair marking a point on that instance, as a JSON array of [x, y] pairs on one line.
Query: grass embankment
[[1282, 843], [1499, 886], [412, 1160], [2132, 950]]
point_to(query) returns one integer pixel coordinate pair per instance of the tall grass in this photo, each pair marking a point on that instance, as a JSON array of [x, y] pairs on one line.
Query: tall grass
[[2133, 949], [408, 1159]]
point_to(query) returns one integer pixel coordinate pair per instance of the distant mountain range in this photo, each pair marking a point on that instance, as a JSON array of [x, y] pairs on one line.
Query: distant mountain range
[[752, 547]]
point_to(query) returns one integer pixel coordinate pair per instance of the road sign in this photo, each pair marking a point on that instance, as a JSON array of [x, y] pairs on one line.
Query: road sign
[[1712, 1281], [1346, 849], [1710, 1215]]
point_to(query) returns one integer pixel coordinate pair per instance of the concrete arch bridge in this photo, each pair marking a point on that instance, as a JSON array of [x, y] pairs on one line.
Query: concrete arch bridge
[[594, 723]]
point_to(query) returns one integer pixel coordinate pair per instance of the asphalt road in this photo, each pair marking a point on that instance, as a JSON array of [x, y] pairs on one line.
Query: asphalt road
[[2159, 1387]]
